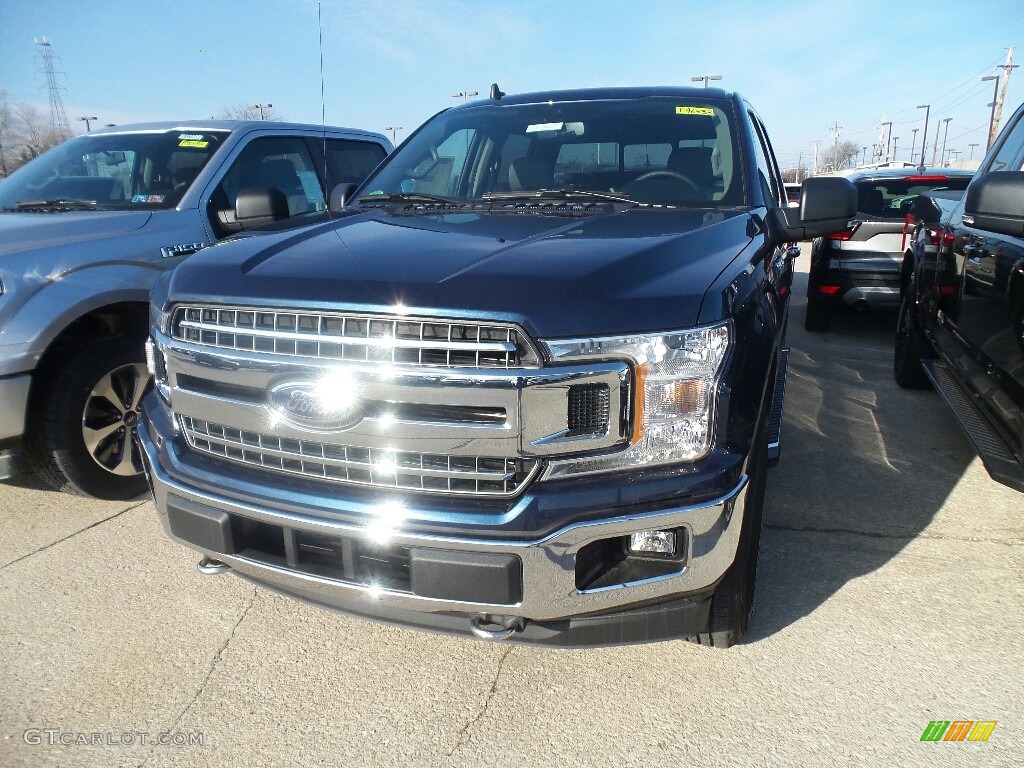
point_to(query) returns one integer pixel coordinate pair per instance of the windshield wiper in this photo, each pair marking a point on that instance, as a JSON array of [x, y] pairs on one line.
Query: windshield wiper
[[405, 197], [561, 194], [59, 202]]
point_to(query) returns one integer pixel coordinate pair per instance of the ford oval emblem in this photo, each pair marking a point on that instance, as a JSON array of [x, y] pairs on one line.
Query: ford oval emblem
[[330, 404]]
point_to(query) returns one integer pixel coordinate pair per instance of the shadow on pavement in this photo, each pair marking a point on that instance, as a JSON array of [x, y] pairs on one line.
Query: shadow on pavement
[[865, 466]]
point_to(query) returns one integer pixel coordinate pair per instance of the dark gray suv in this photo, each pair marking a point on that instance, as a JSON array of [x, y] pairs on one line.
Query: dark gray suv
[[859, 267]]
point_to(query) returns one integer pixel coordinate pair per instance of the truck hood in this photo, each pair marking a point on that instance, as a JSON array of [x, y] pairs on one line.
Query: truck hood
[[21, 232], [558, 276]]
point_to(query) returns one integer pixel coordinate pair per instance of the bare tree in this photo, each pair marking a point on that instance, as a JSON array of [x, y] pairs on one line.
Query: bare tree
[[837, 157], [25, 133], [249, 112]]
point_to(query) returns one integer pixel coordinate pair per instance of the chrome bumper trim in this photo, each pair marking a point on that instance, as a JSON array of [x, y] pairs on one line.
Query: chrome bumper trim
[[549, 589]]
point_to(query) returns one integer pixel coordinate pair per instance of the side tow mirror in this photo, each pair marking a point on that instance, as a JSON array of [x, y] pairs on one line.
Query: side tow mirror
[[827, 203], [254, 207], [341, 194], [995, 203]]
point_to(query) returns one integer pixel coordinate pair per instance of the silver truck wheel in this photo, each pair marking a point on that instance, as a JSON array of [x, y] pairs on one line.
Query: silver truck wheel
[[111, 413], [83, 411]]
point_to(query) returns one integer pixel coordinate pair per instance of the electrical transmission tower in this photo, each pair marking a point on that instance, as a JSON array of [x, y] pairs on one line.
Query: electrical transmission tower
[[58, 119]]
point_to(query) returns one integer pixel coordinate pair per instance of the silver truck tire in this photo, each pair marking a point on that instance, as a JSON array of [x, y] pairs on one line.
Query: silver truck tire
[[82, 418]]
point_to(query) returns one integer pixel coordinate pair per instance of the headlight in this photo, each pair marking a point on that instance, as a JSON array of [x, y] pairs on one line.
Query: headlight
[[674, 384]]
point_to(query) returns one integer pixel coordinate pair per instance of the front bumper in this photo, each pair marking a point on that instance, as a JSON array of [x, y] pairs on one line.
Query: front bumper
[[865, 280], [13, 407], [542, 605]]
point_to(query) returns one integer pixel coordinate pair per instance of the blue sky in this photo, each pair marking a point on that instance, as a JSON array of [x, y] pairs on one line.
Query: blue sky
[[803, 65]]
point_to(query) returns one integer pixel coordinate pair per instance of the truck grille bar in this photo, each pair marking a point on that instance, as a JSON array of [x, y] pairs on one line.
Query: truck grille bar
[[406, 470], [354, 337]]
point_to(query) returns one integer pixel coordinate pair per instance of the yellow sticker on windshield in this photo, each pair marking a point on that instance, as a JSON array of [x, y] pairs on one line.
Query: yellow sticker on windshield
[[193, 143], [694, 111]]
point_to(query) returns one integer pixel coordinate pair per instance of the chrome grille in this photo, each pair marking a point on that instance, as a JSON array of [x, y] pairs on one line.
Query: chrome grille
[[355, 337], [469, 475]]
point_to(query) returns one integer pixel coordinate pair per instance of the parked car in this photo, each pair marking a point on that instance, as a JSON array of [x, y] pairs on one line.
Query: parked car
[[858, 268], [792, 193], [961, 321], [85, 229], [485, 401]]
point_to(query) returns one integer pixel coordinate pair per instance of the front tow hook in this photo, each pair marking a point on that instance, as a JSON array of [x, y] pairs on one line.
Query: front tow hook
[[506, 626], [210, 567]]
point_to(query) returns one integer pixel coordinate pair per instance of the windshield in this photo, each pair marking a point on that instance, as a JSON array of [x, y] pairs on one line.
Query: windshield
[[650, 150], [112, 171]]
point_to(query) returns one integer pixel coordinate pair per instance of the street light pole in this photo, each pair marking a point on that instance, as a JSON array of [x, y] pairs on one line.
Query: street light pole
[[261, 107], [945, 136], [464, 95], [894, 140], [887, 132], [972, 146], [394, 133], [88, 121], [704, 78], [992, 119], [913, 143], [924, 136]]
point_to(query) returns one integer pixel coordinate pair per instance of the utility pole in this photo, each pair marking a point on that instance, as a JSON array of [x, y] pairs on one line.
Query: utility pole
[[836, 130], [58, 118], [992, 119], [88, 121], [997, 112]]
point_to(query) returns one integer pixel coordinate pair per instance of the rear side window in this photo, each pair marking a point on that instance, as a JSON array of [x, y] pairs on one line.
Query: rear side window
[[894, 198]]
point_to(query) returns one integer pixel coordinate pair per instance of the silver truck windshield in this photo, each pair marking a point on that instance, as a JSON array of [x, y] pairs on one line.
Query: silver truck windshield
[[112, 172], [650, 150]]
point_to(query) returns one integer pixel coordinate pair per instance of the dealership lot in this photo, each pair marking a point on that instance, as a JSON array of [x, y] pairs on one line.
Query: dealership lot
[[889, 595]]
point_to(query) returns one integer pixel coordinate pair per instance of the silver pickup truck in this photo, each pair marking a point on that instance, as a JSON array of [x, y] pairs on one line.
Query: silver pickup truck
[[84, 231]]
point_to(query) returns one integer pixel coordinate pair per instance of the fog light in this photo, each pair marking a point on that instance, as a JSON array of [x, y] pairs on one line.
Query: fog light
[[653, 543]]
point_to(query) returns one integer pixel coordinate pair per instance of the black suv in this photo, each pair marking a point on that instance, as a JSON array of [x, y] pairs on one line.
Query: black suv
[[961, 322], [858, 268]]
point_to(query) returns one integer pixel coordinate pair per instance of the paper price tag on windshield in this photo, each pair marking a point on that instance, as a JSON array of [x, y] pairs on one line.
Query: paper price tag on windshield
[[694, 111]]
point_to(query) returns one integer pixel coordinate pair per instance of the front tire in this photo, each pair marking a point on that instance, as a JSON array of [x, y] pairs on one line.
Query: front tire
[[911, 345], [733, 598], [80, 438]]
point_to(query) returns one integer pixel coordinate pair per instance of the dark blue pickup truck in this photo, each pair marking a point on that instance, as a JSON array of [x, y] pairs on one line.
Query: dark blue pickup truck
[[526, 383]]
